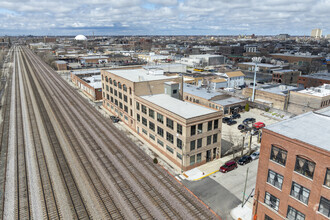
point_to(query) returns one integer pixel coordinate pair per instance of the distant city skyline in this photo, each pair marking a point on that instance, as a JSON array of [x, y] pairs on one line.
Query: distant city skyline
[[163, 17]]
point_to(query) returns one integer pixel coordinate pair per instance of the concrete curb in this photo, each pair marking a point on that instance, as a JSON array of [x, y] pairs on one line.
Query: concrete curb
[[206, 175]]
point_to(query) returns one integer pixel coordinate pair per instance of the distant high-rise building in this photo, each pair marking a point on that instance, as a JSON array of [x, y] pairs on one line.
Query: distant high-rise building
[[317, 33]]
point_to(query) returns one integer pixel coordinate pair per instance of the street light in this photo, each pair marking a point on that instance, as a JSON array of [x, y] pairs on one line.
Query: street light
[[256, 60]]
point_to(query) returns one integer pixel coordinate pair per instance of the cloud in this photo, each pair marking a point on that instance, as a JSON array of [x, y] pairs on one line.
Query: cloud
[[164, 16]]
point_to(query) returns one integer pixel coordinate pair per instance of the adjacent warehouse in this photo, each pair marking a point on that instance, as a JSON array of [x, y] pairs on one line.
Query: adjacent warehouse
[[89, 82]]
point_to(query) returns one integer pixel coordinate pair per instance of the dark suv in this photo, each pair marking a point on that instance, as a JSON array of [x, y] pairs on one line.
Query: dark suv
[[244, 160], [249, 120], [225, 119], [228, 167], [235, 115]]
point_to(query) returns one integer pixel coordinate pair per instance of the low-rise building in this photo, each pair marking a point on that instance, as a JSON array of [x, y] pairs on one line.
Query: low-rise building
[[313, 80], [234, 79], [262, 67], [150, 103], [89, 82], [286, 77], [309, 99], [293, 180], [203, 60], [61, 65]]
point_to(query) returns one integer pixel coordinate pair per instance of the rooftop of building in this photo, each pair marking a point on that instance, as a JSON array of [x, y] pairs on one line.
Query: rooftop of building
[[260, 64], [234, 74], [60, 62], [139, 74], [229, 101], [94, 57], [284, 71], [309, 128], [183, 109], [84, 72], [94, 81], [296, 55], [277, 89], [201, 92], [320, 91]]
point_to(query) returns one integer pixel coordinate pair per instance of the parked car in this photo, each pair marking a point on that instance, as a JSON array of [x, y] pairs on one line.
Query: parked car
[[231, 122], [228, 166], [114, 119], [244, 160], [225, 119], [241, 127], [235, 115], [249, 120], [255, 155], [259, 125], [261, 82], [251, 84]]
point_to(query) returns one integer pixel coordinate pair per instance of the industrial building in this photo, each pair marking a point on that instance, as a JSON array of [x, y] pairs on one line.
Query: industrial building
[[89, 81], [293, 180], [150, 103], [286, 77]]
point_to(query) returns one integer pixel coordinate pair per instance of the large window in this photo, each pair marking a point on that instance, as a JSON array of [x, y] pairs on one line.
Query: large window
[[278, 155], [216, 123], [138, 117], [200, 128], [215, 138], [151, 126], [294, 214], [327, 178], [272, 201], [169, 123], [169, 137], [209, 125], [304, 167], [299, 192], [199, 158], [179, 143], [160, 142], [179, 128], [193, 130], [192, 160], [144, 109], [209, 140], [137, 106], [160, 118], [151, 113], [169, 149], [199, 143], [275, 179], [125, 88], [192, 145], [268, 218], [144, 121], [160, 131], [324, 206]]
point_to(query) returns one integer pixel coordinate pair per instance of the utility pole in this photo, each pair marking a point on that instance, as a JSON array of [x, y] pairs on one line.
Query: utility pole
[[256, 60], [247, 173], [250, 143], [243, 146]]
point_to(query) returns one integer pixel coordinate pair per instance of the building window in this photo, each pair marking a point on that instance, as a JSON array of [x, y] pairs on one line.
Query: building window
[[169, 137], [200, 128], [110, 80], [114, 83], [268, 218], [125, 108], [199, 158], [209, 140], [125, 98], [275, 179], [215, 138], [327, 178], [144, 109], [107, 87], [115, 92], [116, 102], [130, 101], [179, 128], [272, 201], [192, 145], [160, 142], [137, 106], [324, 206], [179, 143], [151, 113], [124, 88], [120, 105], [294, 214], [209, 125], [160, 131], [144, 131], [151, 136], [299, 192], [120, 95], [111, 90], [144, 121], [175, 91], [111, 98], [169, 123], [169, 149], [216, 123], [304, 167], [151, 126], [192, 130], [278, 155], [160, 118], [199, 143], [108, 96], [119, 85], [138, 117], [192, 160], [179, 156], [106, 78]]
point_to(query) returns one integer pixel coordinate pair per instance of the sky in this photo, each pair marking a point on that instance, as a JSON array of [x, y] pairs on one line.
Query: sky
[[163, 17]]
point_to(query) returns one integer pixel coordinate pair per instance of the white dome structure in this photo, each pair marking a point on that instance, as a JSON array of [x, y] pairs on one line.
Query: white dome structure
[[80, 37]]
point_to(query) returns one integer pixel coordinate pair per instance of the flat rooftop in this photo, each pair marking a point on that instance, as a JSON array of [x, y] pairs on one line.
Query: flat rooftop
[[200, 92], [324, 76], [311, 128], [94, 57], [277, 89], [138, 75], [83, 72], [295, 55], [229, 101], [320, 91], [260, 64], [183, 109]]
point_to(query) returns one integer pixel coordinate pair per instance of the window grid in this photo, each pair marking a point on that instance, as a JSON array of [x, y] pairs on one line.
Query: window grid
[[278, 155], [305, 167], [272, 201], [299, 192], [275, 179]]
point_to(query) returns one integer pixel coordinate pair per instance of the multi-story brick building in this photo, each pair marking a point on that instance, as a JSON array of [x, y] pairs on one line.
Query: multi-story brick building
[[151, 104], [293, 180], [285, 76], [313, 80]]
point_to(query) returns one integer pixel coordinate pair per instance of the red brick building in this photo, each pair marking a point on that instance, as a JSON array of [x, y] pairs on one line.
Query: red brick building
[[313, 80], [293, 180]]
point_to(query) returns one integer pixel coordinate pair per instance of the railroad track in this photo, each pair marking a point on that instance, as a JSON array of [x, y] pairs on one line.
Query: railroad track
[[150, 185]]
